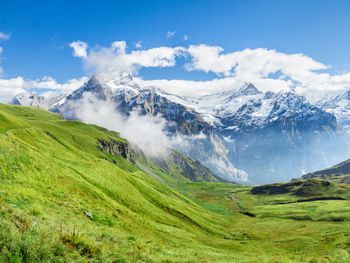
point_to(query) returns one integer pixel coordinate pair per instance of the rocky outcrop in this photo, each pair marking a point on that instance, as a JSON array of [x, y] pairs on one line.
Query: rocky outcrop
[[188, 167], [180, 118], [117, 148]]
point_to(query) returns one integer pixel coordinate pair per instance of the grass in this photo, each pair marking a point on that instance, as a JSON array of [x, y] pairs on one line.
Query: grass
[[52, 174]]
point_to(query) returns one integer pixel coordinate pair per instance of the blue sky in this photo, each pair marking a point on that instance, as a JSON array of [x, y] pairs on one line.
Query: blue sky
[[42, 30]]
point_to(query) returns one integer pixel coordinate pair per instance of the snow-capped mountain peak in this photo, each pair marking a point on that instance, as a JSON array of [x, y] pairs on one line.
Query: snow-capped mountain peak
[[339, 106], [246, 90]]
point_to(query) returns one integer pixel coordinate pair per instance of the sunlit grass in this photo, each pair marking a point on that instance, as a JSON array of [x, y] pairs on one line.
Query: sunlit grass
[[52, 173]]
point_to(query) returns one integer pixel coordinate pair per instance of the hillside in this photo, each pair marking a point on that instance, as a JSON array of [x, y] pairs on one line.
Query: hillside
[[339, 172], [71, 192]]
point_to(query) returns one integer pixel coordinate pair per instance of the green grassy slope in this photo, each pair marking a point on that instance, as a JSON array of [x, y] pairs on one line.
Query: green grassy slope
[[62, 199]]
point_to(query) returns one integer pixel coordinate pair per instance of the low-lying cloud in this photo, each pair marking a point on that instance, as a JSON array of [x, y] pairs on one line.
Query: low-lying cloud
[[148, 132]]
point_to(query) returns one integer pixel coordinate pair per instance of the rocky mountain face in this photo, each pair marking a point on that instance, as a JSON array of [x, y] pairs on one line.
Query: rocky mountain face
[[269, 136], [275, 137], [339, 106], [127, 97], [284, 111]]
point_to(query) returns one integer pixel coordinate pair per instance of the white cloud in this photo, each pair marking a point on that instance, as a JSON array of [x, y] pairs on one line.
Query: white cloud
[[79, 48], [250, 62], [170, 34], [116, 58], [185, 37], [269, 69], [52, 84], [13, 86], [1, 70], [138, 44], [4, 36], [10, 88], [209, 59], [152, 140]]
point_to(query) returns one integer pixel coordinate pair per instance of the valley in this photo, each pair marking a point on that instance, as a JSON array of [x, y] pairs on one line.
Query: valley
[[77, 192]]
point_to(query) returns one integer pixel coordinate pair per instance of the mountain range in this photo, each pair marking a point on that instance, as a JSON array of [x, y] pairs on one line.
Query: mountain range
[[242, 135]]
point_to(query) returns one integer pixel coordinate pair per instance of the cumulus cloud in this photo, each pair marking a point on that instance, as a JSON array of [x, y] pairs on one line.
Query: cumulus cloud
[[79, 49], [269, 69], [4, 36], [185, 37], [170, 34], [116, 58], [251, 63]]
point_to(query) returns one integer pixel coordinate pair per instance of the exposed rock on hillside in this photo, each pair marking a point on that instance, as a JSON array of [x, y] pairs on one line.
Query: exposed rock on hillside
[[114, 147]]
